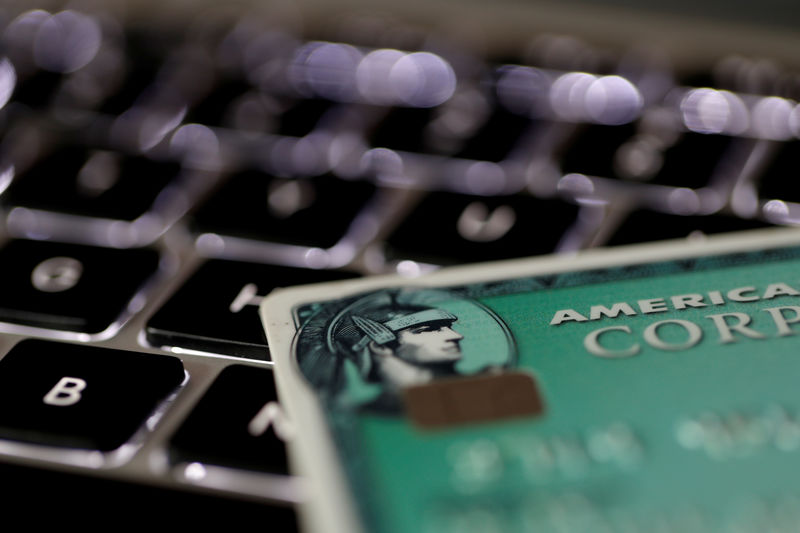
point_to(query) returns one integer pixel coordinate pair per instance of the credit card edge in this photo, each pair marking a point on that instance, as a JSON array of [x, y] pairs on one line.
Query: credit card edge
[[312, 456]]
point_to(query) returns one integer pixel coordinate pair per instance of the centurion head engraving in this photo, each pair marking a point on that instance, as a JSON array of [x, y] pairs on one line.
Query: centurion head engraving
[[371, 350], [395, 342]]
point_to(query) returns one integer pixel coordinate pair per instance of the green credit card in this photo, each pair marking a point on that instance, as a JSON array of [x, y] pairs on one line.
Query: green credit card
[[643, 390]]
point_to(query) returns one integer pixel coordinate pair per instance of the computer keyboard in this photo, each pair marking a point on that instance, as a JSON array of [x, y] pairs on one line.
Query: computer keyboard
[[157, 181]]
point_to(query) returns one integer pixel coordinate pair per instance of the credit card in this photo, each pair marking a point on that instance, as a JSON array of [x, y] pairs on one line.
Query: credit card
[[639, 389]]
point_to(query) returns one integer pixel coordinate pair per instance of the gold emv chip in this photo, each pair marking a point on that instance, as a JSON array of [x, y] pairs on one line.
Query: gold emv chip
[[486, 398]]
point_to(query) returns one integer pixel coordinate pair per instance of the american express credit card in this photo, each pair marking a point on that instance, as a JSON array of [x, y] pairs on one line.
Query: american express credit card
[[649, 388]]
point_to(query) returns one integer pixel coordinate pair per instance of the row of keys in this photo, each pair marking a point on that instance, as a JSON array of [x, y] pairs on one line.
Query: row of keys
[[88, 291], [102, 196], [64, 197], [83, 397], [642, 133], [260, 208], [256, 74]]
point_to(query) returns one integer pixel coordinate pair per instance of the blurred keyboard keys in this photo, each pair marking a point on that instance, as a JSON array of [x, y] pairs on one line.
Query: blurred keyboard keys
[[216, 310], [303, 211], [451, 228], [220, 107], [403, 128], [37, 90], [780, 178], [237, 424], [496, 138], [142, 60], [301, 117], [692, 160], [70, 287], [78, 180], [645, 226], [596, 151]]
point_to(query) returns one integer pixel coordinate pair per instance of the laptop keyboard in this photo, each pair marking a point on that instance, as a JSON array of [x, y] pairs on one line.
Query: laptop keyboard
[[157, 182]]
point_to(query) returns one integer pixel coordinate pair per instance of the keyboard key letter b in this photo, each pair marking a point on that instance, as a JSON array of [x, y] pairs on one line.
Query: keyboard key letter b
[[66, 392]]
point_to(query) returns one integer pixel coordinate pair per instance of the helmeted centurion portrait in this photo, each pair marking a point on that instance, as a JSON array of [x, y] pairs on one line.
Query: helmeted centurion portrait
[[393, 337]]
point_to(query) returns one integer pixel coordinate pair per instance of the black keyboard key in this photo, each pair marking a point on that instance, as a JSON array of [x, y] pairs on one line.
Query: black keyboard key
[[403, 128], [304, 211], [220, 106], [780, 177], [515, 98], [138, 79], [144, 51], [450, 228], [38, 90], [69, 287], [81, 396], [691, 161], [216, 310], [595, 150], [97, 498], [645, 226], [235, 424], [497, 137], [96, 183], [302, 116]]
